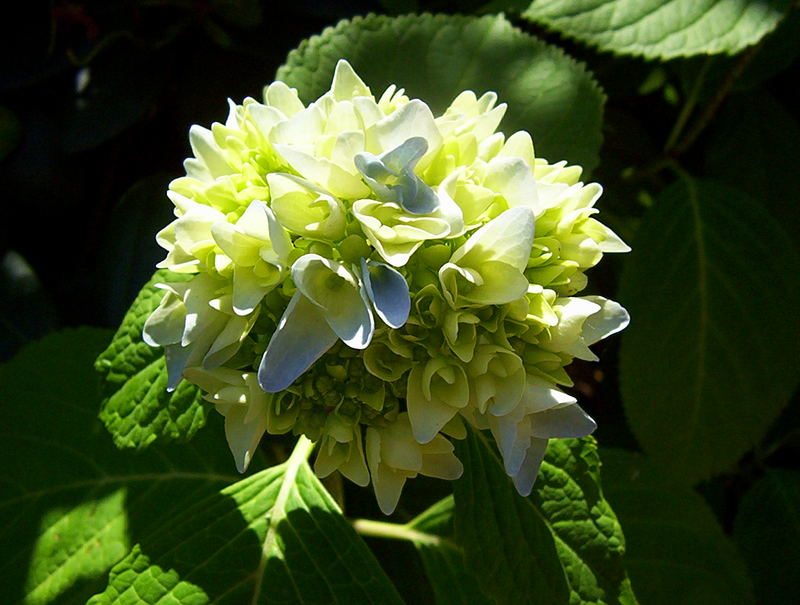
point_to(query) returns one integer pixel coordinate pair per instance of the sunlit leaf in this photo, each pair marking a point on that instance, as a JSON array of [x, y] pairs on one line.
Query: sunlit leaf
[[137, 408], [436, 57], [561, 545], [72, 504], [661, 29], [276, 537]]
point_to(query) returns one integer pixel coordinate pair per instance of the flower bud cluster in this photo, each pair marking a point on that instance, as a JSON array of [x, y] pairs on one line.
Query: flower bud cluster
[[373, 277]]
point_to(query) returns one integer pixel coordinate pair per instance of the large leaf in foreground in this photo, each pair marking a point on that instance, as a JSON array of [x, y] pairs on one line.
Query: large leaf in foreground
[[768, 534], [443, 559], [676, 550], [436, 57], [137, 409], [276, 537], [72, 504], [561, 545], [661, 29], [712, 354]]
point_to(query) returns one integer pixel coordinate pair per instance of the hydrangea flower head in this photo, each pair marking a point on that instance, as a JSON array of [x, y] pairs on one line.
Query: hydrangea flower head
[[374, 276]]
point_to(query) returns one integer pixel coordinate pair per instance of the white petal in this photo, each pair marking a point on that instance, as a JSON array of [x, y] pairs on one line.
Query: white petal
[[563, 422], [610, 319]]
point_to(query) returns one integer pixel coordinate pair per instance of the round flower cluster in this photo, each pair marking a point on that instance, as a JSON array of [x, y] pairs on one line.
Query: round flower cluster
[[373, 277]]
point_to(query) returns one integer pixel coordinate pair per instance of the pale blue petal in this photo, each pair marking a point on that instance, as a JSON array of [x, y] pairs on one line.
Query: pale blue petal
[[423, 201], [406, 155], [526, 476], [387, 289], [176, 357], [302, 337], [391, 176]]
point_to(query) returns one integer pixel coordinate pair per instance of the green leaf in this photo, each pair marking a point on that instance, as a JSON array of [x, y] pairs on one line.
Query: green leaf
[[561, 545], [676, 550], [276, 537], [768, 535], [73, 506], [436, 57], [72, 503], [755, 146], [137, 409], [588, 536], [443, 559], [711, 356], [661, 29]]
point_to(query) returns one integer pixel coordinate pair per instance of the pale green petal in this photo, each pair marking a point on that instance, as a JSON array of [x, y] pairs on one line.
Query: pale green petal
[[512, 178], [542, 395], [248, 290], [302, 129], [283, 98], [210, 162], [387, 482], [324, 173], [435, 392], [244, 436], [567, 335], [414, 119], [346, 83], [507, 238], [305, 209], [519, 145]]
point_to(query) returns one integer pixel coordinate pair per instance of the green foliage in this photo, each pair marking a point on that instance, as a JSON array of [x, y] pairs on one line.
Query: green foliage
[[75, 506], [661, 29], [767, 532], [137, 409], [710, 358], [676, 551], [436, 57], [444, 560], [72, 503], [563, 545], [276, 537]]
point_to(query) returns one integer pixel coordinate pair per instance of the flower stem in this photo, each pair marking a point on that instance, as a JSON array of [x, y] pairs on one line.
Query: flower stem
[[396, 531], [688, 139], [688, 106]]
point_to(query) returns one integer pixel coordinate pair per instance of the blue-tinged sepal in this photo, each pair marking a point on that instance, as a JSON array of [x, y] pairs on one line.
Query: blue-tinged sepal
[[387, 290], [391, 176], [301, 338]]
